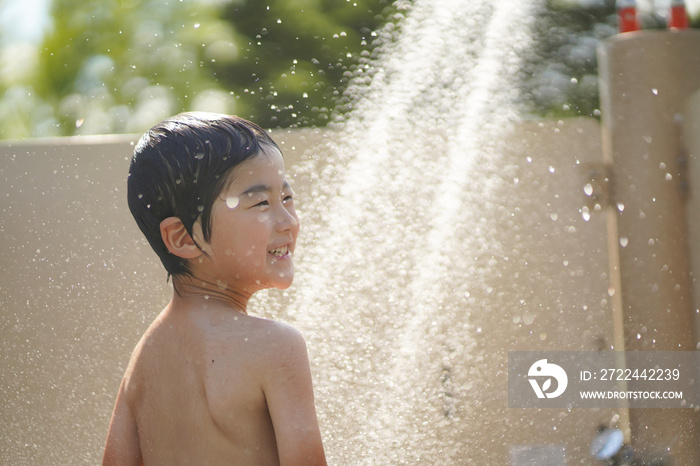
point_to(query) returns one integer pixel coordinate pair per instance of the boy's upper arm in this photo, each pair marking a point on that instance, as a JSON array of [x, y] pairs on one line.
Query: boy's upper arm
[[122, 446], [289, 395]]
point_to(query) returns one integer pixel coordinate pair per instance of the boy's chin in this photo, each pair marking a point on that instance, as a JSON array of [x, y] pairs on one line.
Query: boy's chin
[[283, 285]]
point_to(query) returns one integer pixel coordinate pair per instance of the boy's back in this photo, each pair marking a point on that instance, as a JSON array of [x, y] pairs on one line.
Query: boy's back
[[198, 385]]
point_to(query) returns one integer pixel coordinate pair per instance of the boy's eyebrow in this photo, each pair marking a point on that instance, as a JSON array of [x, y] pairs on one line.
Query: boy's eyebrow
[[258, 188]]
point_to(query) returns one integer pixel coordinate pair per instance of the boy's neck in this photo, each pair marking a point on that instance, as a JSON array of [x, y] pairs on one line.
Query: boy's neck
[[195, 289]]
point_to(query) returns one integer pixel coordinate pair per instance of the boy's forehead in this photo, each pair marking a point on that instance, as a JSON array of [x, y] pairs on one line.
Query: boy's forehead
[[267, 166]]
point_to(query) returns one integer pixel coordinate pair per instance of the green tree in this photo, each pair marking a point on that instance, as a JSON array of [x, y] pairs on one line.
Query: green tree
[[115, 66], [297, 56], [111, 66]]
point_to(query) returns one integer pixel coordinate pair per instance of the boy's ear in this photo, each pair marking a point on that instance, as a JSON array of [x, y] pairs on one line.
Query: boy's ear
[[177, 239]]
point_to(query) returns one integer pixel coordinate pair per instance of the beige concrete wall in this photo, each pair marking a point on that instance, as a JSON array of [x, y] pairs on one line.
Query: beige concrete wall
[[647, 79]]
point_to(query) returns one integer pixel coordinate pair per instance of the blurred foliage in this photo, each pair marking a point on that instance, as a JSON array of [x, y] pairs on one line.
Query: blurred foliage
[[297, 55], [114, 66], [563, 70]]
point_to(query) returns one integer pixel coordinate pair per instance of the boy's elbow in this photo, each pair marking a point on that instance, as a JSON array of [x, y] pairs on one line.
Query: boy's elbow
[[114, 458]]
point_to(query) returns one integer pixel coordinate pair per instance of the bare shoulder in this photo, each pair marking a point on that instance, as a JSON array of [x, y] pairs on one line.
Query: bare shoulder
[[280, 337]]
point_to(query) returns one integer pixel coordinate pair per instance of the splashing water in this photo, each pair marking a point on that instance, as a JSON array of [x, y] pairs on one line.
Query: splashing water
[[399, 238]]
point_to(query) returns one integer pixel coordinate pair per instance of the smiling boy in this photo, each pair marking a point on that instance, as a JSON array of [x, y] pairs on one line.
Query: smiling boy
[[207, 383]]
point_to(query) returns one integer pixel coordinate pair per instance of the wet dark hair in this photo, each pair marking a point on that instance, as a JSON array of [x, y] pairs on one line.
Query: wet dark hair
[[179, 168]]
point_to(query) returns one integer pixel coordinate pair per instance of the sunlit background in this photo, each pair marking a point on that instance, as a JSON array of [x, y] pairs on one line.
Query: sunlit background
[[93, 67]]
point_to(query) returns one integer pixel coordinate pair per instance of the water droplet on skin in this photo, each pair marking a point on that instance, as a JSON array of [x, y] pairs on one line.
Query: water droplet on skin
[[221, 285], [669, 177], [588, 189], [232, 202], [554, 216], [551, 169], [528, 318], [620, 206], [655, 91], [651, 242], [611, 291], [648, 139], [623, 241], [200, 208]]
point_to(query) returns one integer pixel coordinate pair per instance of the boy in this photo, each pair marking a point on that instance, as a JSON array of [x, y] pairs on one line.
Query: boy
[[207, 383]]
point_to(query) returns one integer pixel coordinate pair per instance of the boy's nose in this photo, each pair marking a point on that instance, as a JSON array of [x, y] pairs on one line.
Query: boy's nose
[[287, 220]]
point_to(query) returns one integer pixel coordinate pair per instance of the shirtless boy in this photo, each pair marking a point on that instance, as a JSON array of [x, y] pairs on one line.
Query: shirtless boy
[[207, 383]]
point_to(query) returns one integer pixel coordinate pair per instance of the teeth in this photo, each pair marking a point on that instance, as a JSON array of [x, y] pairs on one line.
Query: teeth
[[279, 251]]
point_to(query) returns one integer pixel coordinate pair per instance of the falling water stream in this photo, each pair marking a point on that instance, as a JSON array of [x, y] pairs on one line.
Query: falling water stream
[[399, 226]]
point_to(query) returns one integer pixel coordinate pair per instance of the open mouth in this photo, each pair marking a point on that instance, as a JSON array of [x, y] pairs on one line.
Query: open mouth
[[282, 251]]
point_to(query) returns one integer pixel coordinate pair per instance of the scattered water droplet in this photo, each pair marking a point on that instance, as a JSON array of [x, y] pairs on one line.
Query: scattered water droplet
[[232, 202], [623, 241], [554, 216], [588, 189], [655, 91], [620, 206]]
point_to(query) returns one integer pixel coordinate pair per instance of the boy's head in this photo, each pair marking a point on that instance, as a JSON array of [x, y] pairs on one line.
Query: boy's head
[[180, 167]]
